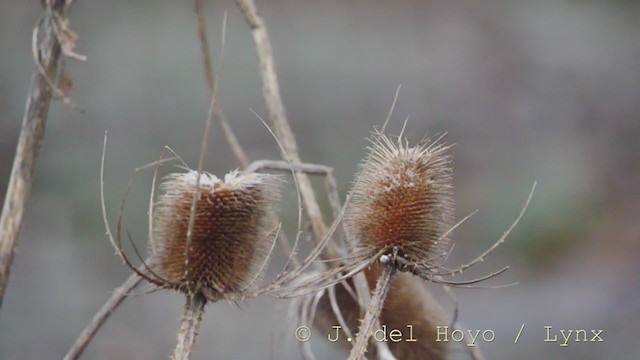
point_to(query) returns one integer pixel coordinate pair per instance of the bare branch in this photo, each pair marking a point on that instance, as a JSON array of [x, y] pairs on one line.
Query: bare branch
[[277, 114], [29, 142], [228, 132]]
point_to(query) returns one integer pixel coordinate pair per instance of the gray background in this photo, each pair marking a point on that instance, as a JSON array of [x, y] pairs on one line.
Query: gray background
[[528, 90]]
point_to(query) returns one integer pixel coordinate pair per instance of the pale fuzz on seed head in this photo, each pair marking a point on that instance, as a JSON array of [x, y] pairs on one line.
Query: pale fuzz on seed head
[[402, 199], [234, 227]]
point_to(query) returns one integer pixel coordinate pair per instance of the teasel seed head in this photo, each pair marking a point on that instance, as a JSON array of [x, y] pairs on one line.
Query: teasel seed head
[[234, 227], [408, 302], [401, 202]]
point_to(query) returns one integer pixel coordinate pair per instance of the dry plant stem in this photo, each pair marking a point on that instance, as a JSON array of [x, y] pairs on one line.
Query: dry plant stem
[[228, 132], [277, 114], [193, 311], [102, 315], [373, 314], [28, 148], [203, 148]]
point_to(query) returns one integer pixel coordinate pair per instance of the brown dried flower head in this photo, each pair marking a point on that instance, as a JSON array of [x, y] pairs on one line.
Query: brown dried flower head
[[233, 230], [401, 201], [408, 303]]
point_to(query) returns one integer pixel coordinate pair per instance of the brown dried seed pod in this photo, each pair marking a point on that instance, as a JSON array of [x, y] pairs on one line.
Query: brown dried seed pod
[[408, 303], [401, 199], [234, 228]]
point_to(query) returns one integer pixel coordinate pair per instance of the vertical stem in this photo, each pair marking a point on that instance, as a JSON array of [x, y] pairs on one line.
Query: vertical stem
[[372, 314], [191, 318], [229, 135], [28, 148], [278, 116]]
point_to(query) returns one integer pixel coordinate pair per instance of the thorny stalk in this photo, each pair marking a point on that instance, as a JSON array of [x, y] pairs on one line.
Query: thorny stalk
[[373, 314], [191, 319]]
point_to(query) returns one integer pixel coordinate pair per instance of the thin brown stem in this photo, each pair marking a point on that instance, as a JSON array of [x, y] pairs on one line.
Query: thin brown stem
[[373, 314], [278, 117], [229, 134], [203, 148], [191, 318], [29, 143]]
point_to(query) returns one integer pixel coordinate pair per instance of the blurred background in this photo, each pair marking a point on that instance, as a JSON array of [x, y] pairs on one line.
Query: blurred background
[[545, 91]]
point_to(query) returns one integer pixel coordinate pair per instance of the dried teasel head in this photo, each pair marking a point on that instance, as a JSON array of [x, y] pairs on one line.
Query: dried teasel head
[[233, 231], [408, 303], [401, 202]]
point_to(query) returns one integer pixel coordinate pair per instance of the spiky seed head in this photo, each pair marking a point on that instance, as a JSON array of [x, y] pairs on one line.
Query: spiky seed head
[[234, 226], [401, 199], [408, 302]]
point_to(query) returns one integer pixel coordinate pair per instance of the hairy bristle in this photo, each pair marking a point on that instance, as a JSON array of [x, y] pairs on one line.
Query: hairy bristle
[[402, 199], [234, 227], [408, 303]]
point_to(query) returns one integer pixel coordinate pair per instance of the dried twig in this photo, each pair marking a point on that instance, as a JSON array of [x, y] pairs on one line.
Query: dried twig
[[372, 315], [277, 114], [229, 135], [203, 148], [30, 141]]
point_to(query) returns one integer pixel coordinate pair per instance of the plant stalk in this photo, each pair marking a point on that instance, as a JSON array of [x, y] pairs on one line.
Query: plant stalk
[[191, 318], [372, 314]]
